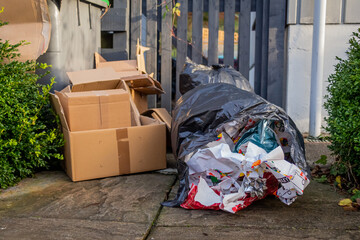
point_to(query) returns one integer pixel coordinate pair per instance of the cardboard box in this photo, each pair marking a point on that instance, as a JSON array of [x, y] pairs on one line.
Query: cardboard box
[[28, 20], [97, 100], [96, 109], [115, 151]]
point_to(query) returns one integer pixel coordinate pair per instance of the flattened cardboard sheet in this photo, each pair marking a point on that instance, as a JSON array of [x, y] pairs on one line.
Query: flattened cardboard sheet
[[133, 72], [93, 79], [28, 20]]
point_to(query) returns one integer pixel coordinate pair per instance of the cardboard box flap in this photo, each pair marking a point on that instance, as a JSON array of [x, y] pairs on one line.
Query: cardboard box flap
[[128, 74], [158, 86], [55, 102], [149, 90], [144, 83], [67, 89], [131, 70], [142, 80], [118, 66], [135, 114], [99, 59], [140, 50], [93, 79], [160, 114], [149, 121]]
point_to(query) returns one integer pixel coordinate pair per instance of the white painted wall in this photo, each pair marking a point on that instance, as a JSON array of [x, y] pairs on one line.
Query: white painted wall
[[299, 66]]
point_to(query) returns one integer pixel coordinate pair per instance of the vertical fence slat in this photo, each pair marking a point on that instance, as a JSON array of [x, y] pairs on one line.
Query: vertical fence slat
[[264, 49], [213, 32], [151, 42], [166, 77], [135, 26], [229, 26], [276, 66], [197, 24], [258, 46], [181, 41], [244, 38]]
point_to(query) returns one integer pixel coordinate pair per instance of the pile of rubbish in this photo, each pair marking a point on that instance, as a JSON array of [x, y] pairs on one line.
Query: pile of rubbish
[[233, 147]]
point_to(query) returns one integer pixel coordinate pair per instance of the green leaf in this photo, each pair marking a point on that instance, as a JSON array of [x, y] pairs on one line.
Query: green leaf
[[322, 160], [355, 196], [30, 135], [321, 179]]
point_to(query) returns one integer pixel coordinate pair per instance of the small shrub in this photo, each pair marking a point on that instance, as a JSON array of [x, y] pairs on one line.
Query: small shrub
[[30, 138], [343, 106]]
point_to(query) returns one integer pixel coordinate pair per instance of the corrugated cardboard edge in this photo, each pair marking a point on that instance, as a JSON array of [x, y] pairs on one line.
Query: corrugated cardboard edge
[[55, 102], [98, 59]]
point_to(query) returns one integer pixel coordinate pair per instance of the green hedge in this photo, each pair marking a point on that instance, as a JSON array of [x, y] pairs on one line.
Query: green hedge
[[343, 106], [30, 138]]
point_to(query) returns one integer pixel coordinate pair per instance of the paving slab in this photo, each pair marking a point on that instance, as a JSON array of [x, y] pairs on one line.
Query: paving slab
[[314, 215], [50, 206]]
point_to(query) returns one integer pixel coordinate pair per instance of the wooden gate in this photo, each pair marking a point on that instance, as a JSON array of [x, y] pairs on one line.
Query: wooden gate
[[152, 22]]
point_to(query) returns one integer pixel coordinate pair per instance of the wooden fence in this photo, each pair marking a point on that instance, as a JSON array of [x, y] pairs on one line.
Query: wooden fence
[[161, 37]]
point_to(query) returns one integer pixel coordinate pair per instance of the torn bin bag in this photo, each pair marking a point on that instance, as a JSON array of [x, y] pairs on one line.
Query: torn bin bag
[[232, 148], [194, 75]]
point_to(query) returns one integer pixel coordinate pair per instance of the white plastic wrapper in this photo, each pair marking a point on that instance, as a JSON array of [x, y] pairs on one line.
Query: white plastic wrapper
[[226, 179]]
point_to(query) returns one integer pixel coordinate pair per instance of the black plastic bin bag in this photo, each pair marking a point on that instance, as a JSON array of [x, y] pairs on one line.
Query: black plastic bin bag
[[207, 123], [194, 75]]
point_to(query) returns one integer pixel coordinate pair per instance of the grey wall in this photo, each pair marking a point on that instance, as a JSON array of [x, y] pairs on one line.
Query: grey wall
[[342, 18], [337, 11]]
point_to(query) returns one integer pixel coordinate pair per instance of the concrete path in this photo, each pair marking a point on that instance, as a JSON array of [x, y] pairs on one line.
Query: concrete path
[[315, 215], [50, 206]]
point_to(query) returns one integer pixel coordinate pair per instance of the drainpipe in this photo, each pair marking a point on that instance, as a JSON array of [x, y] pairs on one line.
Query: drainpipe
[[317, 67]]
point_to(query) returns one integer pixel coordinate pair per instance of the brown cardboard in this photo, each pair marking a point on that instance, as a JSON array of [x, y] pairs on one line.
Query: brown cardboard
[[160, 114], [28, 20], [93, 110], [133, 73], [93, 79], [140, 50], [140, 100], [111, 152], [135, 115]]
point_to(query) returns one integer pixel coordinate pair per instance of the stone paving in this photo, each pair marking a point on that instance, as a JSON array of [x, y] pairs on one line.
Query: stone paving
[[50, 206]]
